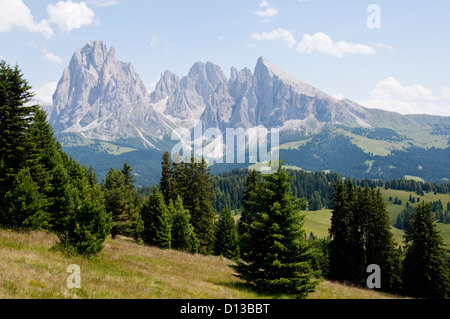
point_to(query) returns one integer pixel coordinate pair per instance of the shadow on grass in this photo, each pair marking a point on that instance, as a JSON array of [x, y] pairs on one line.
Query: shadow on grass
[[250, 289]]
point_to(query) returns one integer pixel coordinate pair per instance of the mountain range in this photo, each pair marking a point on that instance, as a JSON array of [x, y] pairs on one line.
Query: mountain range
[[103, 114]]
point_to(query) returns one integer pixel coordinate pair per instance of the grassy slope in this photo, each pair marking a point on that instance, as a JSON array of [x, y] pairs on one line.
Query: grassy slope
[[31, 266]]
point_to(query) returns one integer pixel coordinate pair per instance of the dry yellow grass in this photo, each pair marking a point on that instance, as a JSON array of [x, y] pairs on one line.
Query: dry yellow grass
[[32, 266]]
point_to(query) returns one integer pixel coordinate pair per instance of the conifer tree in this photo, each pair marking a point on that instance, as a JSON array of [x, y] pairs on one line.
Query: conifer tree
[[166, 183], [225, 243], [92, 176], [43, 154], [425, 272], [357, 206], [360, 236], [340, 234], [182, 232], [60, 195], [193, 182], [121, 201], [277, 256], [380, 248], [128, 176], [156, 219], [87, 223], [250, 205], [15, 117], [203, 216], [26, 204]]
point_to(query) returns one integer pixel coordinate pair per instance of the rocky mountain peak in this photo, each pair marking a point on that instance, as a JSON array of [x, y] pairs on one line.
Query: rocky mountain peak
[[99, 97], [165, 87]]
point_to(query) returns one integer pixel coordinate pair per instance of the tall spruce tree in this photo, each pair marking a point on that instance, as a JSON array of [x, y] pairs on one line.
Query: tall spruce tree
[[277, 256], [380, 248], [60, 195], [87, 223], [129, 180], [425, 271], [203, 217], [156, 219], [26, 205], [42, 148], [250, 204], [15, 117], [121, 201], [166, 183], [226, 240], [192, 180], [360, 236], [183, 235], [341, 235]]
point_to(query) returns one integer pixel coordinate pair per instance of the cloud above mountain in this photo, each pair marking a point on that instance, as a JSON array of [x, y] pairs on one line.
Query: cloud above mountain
[[70, 15], [104, 3], [15, 14], [389, 94], [319, 42], [65, 15], [266, 10], [284, 35], [322, 43]]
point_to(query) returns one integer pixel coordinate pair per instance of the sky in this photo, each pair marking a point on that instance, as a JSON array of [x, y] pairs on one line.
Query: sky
[[392, 55]]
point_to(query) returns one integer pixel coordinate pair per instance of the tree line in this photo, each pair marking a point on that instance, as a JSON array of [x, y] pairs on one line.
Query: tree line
[[315, 187], [437, 208], [417, 186], [360, 236]]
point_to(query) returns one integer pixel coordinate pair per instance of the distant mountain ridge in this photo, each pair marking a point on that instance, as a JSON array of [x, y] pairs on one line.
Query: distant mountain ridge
[[105, 99], [101, 98]]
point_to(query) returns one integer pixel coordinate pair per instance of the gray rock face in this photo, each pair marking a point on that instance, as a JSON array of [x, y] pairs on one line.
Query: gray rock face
[[283, 98], [193, 94], [241, 86], [270, 97], [165, 87], [102, 98]]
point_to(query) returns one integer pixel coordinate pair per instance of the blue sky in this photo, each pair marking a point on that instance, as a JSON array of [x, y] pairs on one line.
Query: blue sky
[[398, 61]]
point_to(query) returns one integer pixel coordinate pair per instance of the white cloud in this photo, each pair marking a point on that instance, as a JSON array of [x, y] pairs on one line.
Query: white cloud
[[389, 94], [14, 13], [382, 46], [53, 58], [70, 15], [103, 3], [446, 93], [45, 93], [157, 40], [67, 15], [322, 43], [276, 34], [269, 11]]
